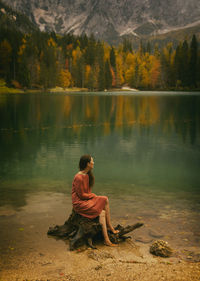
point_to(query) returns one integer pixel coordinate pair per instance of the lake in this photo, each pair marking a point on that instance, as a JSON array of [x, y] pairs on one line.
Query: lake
[[146, 149]]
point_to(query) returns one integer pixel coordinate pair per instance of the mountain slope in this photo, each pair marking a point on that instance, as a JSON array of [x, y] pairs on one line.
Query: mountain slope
[[110, 19], [10, 19]]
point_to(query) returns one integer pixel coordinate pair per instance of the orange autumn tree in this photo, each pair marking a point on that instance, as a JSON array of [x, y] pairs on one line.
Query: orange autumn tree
[[119, 68], [65, 78]]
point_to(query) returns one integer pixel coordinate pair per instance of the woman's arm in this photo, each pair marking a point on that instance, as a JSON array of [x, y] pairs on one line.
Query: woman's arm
[[79, 187]]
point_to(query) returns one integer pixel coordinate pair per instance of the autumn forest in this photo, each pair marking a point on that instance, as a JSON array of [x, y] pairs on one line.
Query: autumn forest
[[41, 60]]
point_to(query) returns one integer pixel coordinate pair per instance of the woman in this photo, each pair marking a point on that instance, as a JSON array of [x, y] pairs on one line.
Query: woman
[[87, 203]]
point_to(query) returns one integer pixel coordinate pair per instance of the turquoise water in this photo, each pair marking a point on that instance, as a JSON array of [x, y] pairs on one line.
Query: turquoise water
[[146, 148], [151, 141]]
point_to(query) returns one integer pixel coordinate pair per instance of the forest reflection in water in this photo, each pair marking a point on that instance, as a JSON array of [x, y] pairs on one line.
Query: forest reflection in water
[[179, 114], [140, 143]]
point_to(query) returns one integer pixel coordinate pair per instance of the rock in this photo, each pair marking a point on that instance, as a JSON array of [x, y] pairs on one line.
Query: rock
[[161, 248], [155, 234], [143, 239], [115, 18]]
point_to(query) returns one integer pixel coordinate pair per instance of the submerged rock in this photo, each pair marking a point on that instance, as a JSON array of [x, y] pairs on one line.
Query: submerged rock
[[155, 234], [161, 248]]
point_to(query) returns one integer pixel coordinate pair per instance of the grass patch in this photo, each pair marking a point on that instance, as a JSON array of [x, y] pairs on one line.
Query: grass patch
[[6, 90]]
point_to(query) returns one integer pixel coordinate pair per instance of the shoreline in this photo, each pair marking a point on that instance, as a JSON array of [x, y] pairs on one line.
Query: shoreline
[[57, 90], [27, 253]]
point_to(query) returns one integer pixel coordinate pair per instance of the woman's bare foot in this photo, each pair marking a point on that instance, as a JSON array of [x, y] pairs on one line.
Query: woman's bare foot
[[110, 244], [113, 230]]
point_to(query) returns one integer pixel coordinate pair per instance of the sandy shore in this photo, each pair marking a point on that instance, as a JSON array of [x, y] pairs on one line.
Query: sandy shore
[[27, 253], [128, 261]]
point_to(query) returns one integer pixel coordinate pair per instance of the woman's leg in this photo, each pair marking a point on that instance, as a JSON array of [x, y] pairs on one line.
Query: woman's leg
[[108, 221], [102, 221]]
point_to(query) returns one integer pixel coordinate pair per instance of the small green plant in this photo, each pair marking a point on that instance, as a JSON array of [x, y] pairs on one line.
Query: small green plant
[[2, 83]]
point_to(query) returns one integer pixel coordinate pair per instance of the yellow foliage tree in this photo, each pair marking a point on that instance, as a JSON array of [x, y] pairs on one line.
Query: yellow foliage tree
[[129, 73], [130, 60], [120, 70], [87, 74], [76, 54], [155, 71], [51, 43], [145, 81], [65, 78], [106, 52]]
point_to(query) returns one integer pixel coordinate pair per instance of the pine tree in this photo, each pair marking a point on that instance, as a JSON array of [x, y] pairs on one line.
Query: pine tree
[[49, 71], [78, 67], [198, 71], [142, 49], [127, 46], [101, 78], [112, 58], [108, 76], [193, 62], [148, 47], [5, 59], [89, 53], [91, 80], [101, 66], [185, 64], [23, 74], [178, 65], [167, 66]]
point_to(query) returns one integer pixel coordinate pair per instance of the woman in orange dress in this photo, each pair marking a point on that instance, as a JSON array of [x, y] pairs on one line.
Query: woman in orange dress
[[87, 203]]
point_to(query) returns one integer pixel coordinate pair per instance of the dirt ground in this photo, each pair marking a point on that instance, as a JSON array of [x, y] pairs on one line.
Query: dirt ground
[[27, 253], [128, 261]]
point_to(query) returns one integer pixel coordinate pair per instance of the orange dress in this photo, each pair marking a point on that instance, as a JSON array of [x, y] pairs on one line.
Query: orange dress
[[84, 201]]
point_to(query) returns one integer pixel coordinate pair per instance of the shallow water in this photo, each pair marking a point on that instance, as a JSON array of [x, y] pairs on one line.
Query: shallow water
[[145, 147]]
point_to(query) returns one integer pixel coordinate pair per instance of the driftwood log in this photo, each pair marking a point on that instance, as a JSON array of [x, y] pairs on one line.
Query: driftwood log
[[81, 230]]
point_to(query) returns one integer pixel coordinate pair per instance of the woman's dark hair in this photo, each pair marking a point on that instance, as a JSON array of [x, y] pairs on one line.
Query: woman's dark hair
[[83, 164]]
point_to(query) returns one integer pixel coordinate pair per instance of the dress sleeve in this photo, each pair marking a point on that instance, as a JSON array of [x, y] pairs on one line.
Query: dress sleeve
[[79, 187]]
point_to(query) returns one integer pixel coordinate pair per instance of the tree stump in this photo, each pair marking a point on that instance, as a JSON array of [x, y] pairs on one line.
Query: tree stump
[[81, 230]]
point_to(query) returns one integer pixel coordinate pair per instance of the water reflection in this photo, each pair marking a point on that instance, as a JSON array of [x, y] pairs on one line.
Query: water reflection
[[22, 114], [149, 141]]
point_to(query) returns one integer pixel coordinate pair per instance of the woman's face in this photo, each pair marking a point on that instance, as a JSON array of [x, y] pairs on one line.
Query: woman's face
[[90, 165]]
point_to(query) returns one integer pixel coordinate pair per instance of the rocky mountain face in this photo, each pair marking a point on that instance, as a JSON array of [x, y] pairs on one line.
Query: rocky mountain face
[[15, 21], [110, 19]]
